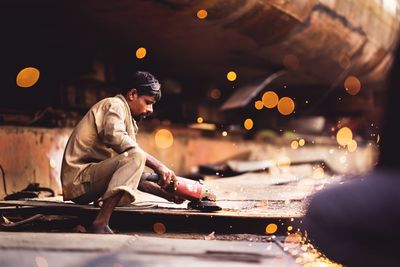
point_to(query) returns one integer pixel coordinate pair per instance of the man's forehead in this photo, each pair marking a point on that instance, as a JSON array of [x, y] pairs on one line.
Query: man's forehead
[[149, 98]]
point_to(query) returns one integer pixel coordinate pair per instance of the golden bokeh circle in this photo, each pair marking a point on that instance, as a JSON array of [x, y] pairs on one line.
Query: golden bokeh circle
[[286, 106], [258, 104], [202, 14], [231, 76], [159, 228], [302, 142], [141, 52], [294, 144], [352, 85], [215, 93], [248, 124], [200, 120], [163, 138], [271, 228], [344, 136], [352, 146], [270, 99], [27, 77]]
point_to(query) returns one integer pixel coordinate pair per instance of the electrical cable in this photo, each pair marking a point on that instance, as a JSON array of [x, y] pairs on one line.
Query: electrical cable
[[28, 220]]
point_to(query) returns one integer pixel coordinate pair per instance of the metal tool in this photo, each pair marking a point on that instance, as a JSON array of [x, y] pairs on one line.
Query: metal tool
[[200, 197]]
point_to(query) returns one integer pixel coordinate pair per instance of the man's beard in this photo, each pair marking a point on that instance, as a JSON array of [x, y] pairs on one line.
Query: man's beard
[[141, 116]]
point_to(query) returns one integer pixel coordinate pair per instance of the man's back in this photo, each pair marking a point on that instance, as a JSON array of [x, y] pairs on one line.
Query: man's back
[[105, 130]]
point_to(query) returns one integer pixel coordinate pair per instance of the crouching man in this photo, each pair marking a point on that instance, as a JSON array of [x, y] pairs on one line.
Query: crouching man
[[102, 160]]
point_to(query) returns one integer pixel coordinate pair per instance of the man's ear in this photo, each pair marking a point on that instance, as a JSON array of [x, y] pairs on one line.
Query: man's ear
[[132, 93]]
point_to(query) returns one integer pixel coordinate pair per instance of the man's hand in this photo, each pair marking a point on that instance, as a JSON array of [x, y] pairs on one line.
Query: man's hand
[[155, 189], [167, 176]]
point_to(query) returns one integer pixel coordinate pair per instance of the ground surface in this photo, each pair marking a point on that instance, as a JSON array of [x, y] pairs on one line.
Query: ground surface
[[76, 250], [171, 235]]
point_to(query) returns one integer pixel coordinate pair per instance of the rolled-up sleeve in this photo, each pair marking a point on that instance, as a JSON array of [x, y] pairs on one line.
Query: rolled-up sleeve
[[114, 133]]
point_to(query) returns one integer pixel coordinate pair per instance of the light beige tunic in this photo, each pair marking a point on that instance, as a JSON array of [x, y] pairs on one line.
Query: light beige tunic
[[102, 154]]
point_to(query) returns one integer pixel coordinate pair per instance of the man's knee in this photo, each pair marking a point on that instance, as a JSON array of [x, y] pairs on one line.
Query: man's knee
[[135, 154]]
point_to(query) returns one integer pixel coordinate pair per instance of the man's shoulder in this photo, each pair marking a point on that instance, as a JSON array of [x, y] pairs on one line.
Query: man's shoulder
[[110, 101]]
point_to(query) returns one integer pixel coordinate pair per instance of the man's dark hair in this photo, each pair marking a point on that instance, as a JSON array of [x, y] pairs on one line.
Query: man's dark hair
[[145, 84]]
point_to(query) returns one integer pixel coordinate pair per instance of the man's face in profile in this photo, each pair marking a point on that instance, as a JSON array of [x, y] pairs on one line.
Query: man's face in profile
[[141, 106]]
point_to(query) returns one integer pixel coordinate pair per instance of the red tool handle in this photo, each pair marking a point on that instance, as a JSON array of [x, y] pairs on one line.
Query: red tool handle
[[186, 188]]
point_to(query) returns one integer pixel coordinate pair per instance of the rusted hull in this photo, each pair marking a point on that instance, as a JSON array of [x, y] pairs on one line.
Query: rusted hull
[[323, 39]]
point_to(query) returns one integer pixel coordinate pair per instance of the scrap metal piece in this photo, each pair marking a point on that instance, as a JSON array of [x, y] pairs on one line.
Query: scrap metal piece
[[245, 94]]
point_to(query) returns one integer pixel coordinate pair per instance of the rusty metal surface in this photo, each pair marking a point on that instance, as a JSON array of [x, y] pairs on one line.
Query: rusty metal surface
[[40, 152], [251, 195]]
